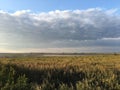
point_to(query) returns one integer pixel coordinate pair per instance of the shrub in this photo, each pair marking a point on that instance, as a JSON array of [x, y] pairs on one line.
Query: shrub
[[9, 82]]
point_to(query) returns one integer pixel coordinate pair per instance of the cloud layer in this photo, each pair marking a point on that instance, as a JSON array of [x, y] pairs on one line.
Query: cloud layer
[[60, 29]]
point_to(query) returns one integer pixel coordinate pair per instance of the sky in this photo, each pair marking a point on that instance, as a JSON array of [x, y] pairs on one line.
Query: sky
[[60, 26], [48, 5]]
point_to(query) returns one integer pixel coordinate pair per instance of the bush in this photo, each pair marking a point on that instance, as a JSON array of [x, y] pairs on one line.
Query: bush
[[9, 81]]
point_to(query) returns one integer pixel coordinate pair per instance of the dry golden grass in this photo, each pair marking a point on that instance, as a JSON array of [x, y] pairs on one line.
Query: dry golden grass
[[106, 61], [88, 72]]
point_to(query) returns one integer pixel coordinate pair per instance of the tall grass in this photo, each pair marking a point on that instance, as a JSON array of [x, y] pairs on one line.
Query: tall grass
[[94, 72]]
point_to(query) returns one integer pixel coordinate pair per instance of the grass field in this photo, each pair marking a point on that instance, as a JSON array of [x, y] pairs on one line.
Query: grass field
[[87, 72]]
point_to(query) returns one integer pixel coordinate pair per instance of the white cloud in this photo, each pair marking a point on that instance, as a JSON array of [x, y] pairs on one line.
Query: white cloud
[[93, 27], [118, 38], [20, 13]]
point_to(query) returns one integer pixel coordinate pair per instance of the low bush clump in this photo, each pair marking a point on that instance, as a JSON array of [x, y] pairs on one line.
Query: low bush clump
[[9, 80]]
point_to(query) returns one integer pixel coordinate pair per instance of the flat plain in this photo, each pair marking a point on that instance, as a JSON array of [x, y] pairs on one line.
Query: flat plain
[[71, 72]]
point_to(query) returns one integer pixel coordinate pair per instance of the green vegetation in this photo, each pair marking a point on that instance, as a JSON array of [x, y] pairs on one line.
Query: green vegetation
[[91, 72], [10, 81]]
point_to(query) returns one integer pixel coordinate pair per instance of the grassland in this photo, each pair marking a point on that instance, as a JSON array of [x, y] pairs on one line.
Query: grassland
[[87, 72]]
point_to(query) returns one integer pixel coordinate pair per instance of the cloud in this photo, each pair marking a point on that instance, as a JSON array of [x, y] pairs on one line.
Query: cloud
[[93, 27], [118, 38]]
